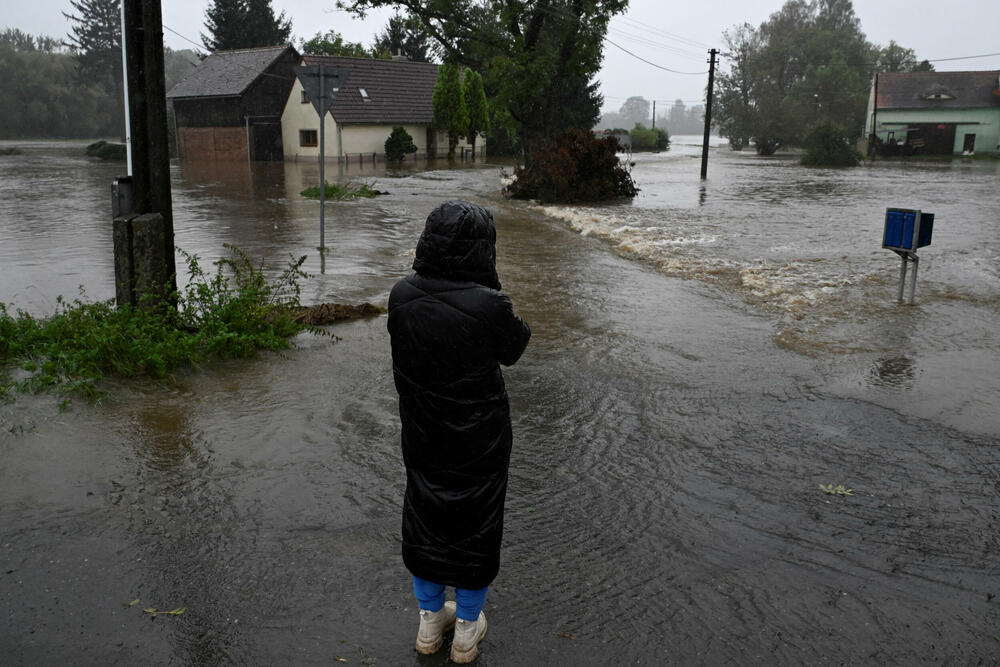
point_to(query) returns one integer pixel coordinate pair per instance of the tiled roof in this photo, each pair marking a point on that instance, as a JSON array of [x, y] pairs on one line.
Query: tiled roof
[[931, 90], [398, 91], [227, 73]]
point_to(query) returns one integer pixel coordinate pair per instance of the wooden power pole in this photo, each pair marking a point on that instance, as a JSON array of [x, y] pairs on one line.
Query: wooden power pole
[[144, 226], [708, 114]]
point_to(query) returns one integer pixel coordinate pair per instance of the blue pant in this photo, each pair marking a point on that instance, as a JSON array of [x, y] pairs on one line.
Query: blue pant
[[468, 602]]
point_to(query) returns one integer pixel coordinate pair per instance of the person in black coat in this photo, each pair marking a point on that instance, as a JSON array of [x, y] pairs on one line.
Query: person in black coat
[[450, 328]]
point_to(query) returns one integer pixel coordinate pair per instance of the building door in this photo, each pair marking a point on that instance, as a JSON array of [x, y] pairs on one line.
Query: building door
[[431, 143], [969, 145]]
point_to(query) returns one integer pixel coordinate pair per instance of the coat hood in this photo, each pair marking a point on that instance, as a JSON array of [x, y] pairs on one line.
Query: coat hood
[[459, 243]]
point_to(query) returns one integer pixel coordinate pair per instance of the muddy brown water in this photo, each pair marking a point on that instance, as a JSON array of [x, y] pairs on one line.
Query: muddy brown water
[[703, 359]]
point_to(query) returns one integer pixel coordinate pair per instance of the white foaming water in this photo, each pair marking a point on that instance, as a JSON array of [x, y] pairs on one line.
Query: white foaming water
[[803, 244]]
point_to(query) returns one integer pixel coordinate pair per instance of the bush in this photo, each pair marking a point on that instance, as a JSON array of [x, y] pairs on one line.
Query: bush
[[574, 166], [234, 313], [338, 192], [827, 146], [649, 140], [398, 145], [106, 151]]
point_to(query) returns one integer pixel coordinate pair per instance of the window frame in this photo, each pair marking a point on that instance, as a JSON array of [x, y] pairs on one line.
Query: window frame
[[304, 141]]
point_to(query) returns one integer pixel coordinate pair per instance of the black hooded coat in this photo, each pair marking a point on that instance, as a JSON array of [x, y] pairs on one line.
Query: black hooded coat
[[450, 328]]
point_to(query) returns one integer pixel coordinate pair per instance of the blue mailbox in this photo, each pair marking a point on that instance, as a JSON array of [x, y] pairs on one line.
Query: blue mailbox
[[907, 229]]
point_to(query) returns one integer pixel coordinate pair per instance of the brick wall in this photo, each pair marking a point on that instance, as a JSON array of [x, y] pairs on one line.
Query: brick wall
[[212, 143]]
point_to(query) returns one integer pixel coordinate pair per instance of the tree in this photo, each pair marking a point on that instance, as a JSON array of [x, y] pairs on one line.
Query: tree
[[807, 63], [96, 39], [332, 44], [827, 145], [634, 110], [403, 36], [574, 166], [537, 59], [895, 58], [398, 145], [42, 95], [244, 24], [475, 104], [450, 112]]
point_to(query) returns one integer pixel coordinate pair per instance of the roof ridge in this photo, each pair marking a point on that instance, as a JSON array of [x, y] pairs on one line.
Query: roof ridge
[[249, 49]]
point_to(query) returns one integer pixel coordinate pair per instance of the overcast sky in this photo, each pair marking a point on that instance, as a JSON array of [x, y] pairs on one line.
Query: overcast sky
[[671, 35]]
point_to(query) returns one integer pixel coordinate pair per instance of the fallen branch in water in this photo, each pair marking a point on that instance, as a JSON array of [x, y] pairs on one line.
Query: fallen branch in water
[[328, 313]]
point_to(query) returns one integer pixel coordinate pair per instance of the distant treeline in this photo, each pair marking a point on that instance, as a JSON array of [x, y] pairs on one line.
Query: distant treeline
[[43, 95], [677, 119]]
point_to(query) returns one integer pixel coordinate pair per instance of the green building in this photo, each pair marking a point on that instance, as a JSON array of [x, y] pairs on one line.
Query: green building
[[935, 113]]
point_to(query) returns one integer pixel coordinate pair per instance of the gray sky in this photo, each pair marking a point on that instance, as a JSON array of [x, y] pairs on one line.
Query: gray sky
[[669, 35]]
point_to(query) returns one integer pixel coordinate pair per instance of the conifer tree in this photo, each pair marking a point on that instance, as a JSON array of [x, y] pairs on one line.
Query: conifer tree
[[475, 103], [244, 24], [96, 39], [450, 112]]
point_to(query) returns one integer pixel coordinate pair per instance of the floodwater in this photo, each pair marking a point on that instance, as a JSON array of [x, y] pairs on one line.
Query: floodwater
[[703, 359]]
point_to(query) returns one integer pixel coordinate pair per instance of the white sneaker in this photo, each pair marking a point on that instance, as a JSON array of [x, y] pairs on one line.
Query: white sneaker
[[433, 625], [467, 635]]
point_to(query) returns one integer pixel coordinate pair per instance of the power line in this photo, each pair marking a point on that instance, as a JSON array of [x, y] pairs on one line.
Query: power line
[[667, 69], [656, 45], [669, 35], [200, 46]]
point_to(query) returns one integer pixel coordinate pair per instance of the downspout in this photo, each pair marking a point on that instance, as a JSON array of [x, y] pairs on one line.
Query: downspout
[[874, 134]]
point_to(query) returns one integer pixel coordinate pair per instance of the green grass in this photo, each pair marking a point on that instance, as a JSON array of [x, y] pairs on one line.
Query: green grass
[[338, 192], [233, 313]]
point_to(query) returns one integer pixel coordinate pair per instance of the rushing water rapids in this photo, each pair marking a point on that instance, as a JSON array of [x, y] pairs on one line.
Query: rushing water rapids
[[703, 359]]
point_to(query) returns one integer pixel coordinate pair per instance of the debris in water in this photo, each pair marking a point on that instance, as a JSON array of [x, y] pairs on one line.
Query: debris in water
[[327, 313]]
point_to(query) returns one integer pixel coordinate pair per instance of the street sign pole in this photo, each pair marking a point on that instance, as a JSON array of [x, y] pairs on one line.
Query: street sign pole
[[321, 86], [322, 162]]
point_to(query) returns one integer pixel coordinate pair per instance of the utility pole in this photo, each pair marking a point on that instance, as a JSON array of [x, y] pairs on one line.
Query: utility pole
[[708, 114], [142, 210], [874, 133], [654, 114]]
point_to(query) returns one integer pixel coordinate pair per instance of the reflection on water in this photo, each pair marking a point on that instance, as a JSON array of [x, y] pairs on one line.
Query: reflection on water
[[702, 359]]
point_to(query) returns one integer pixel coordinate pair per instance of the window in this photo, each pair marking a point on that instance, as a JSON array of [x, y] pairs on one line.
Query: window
[[364, 95], [308, 138], [305, 97]]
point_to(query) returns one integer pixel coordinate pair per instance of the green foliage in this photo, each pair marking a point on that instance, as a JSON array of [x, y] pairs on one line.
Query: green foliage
[[244, 24], [808, 63], [538, 59], [22, 41], [341, 192], [331, 43], [42, 97], [635, 111], [403, 36], [895, 58], [231, 314], [827, 146], [574, 166], [398, 145], [450, 111], [475, 102], [649, 139], [105, 151], [96, 39]]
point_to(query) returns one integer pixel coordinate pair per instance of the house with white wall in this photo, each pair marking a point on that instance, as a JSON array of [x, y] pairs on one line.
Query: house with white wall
[[373, 97], [943, 113]]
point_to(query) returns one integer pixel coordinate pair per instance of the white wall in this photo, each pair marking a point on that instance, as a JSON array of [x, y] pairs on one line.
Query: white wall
[[347, 139]]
